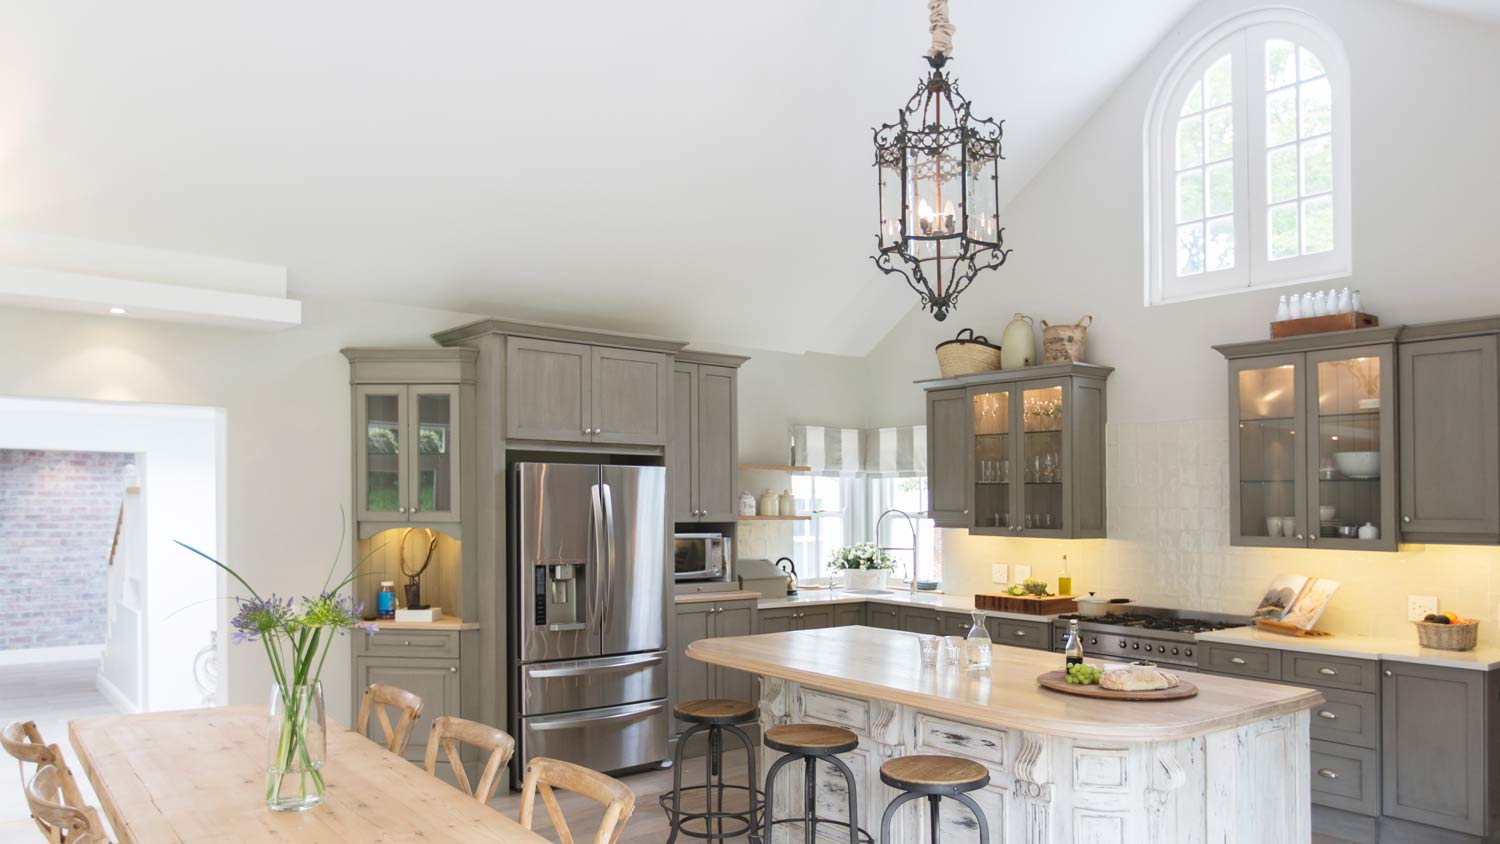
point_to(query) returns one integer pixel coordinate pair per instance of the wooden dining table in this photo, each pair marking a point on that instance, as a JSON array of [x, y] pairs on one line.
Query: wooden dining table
[[198, 777]]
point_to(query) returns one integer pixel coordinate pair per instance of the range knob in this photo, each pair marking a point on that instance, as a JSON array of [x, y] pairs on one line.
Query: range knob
[[1135, 645], [1188, 652], [1174, 652], [1122, 645], [1093, 640]]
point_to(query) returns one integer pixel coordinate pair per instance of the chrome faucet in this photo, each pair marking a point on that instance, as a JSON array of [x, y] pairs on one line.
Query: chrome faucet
[[911, 525]]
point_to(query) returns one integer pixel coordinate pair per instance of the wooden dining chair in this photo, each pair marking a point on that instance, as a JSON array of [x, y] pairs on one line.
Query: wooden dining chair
[[23, 741], [450, 732], [543, 775], [61, 822], [377, 698]]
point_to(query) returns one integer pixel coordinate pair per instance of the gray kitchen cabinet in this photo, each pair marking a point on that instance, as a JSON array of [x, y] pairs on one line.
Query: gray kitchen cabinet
[[1017, 633], [1029, 449], [435, 681], [576, 392], [804, 617], [884, 616], [407, 451], [695, 680], [947, 458], [1239, 661], [1438, 736], [704, 443], [816, 618], [923, 620], [1312, 432], [1450, 439], [630, 396], [548, 390], [958, 624], [848, 615]]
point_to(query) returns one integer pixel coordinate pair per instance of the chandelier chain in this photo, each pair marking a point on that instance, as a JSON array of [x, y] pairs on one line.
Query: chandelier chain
[[942, 28]]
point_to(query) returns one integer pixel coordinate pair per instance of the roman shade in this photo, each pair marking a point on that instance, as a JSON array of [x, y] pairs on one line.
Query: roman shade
[[878, 452]]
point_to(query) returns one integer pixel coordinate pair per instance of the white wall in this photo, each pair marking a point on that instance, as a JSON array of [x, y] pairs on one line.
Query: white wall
[[1426, 195]]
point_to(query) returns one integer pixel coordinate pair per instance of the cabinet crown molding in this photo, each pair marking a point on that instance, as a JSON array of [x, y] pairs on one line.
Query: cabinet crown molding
[[411, 366], [711, 358], [1030, 373], [1311, 342], [470, 332]]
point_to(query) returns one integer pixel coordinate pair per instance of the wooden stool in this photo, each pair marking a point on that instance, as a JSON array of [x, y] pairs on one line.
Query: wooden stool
[[934, 777], [715, 717], [810, 743]]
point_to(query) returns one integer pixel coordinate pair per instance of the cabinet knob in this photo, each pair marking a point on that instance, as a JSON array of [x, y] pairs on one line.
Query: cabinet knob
[[1237, 660], [452, 669], [966, 511], [1312, 537], [1388, 672], [1328, 774], [400, 509], [406, 642], [1021, 633], [1406, 519], [1299, 536], [1328, 672], [1323, 713]]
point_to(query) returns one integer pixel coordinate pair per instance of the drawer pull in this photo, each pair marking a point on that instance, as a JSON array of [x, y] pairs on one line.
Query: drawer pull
[[1237, 660], [1332, 716], [452, 669], [408, 642], [1328, 774], [1020, 632], [1328, 672]]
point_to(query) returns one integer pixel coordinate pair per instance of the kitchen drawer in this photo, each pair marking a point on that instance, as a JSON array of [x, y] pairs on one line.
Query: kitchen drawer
[[417, 643], [1259, 663], [1021, 634], [1332, 672], [1347, 718], [1346, 778]]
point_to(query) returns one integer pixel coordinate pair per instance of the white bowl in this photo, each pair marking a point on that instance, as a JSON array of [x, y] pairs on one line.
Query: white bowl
[[1327, 512], [1358, 464]]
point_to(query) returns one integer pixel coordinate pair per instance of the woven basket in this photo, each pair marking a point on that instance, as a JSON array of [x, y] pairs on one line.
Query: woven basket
[[1448, 637], [967, 355]]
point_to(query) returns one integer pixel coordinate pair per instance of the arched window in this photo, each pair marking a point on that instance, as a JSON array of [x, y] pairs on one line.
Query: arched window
[[1247, 156]]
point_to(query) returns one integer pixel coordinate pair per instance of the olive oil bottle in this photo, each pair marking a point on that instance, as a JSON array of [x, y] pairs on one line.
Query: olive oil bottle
[[1065, 580]]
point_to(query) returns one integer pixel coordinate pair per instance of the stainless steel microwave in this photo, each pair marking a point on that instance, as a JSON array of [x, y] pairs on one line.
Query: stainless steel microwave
[[699, 556]]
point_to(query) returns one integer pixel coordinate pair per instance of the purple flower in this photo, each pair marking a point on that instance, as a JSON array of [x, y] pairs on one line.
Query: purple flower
[[261, 617]]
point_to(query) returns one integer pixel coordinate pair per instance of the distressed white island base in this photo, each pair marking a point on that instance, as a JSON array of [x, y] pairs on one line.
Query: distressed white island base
[[1229, 766]]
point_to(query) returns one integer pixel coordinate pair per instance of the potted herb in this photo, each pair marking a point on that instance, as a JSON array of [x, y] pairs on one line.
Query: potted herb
[[865, 567]]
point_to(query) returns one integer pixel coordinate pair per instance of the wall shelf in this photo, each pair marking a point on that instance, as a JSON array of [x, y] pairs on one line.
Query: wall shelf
[[775, 518]]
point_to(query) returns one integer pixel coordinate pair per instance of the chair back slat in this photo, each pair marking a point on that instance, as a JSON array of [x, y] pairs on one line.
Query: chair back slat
[[23, 741], [376, 699], [543, 775], [449, 733], [60, 822]]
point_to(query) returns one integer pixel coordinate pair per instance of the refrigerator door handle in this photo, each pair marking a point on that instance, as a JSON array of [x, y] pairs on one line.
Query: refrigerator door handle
[[627, 664], [609, 548], [596, 559], [545, 723]]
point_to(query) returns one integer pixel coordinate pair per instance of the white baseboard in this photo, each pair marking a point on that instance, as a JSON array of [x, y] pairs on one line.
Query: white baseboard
[[31, 656], [116, 697]]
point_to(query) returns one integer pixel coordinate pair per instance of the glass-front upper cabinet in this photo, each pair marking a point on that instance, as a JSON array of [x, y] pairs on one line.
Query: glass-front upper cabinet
[[1312, 444], [408, 463], [1042, 460], [1351, 417], [992, 459]]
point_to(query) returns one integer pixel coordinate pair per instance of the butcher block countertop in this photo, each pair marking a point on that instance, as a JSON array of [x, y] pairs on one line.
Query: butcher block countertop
[[713, 597], [883, 665]]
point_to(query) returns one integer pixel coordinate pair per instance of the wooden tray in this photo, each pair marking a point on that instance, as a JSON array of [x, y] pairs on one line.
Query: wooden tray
[[1057, 681], [1323, 324], [1029, 604]]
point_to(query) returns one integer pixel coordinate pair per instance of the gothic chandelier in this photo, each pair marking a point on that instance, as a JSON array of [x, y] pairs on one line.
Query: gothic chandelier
[[939, 196]]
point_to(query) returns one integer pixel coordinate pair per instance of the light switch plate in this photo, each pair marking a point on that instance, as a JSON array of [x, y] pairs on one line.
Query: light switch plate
[[999, 573], [1022, 572], [1418, 606]]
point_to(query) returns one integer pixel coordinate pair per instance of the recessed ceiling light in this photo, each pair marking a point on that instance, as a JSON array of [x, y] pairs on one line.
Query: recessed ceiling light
[[117, 311]]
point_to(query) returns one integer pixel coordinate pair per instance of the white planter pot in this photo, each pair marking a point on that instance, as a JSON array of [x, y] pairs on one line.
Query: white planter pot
[[865, 580]]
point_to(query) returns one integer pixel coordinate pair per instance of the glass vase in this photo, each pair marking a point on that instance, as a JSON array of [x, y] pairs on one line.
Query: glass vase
[[977, 644], [296, 747]]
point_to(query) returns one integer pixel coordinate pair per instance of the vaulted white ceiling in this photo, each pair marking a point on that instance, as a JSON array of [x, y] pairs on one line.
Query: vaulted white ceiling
[[695, 170]]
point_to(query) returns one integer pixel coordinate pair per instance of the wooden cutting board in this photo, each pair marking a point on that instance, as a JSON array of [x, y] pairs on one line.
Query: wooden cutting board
[[1057, 681]]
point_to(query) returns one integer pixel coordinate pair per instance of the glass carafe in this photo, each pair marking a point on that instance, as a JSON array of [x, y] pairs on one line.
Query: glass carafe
[[977, 644]]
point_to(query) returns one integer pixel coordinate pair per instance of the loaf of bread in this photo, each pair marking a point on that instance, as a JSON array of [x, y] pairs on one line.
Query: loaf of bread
[[1138, 678]]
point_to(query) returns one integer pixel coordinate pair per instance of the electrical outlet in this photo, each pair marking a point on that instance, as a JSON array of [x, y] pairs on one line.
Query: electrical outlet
[[1418, 606], [1022, 572], [999, 573]]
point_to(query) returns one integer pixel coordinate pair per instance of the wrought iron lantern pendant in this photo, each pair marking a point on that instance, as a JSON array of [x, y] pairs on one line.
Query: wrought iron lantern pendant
[[939, 192]]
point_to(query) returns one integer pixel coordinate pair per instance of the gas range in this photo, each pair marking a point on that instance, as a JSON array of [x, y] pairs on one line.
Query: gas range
[[1157, 634]]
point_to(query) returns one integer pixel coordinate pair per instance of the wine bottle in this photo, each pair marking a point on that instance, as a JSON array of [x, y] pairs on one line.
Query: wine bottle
[[1073, 648]]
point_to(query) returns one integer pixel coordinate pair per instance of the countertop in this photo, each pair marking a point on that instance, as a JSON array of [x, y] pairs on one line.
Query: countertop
[[445, 623], [1359, 647], [711, 597], [883, 665], [899, 597]]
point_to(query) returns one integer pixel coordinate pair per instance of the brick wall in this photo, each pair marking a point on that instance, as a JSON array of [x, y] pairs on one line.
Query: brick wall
[[57, 517]]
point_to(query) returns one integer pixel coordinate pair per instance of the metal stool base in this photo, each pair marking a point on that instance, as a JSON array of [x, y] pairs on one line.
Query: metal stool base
[[810, 820], [741, 823]]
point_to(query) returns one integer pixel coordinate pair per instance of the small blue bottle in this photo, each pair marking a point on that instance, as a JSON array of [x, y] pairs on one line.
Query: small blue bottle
[[385, 602]]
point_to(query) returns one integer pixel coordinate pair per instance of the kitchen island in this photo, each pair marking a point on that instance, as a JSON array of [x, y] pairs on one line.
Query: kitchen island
[[1230, 765]]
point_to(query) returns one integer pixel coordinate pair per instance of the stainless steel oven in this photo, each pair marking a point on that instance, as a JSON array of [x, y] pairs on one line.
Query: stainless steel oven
[[699, 556]]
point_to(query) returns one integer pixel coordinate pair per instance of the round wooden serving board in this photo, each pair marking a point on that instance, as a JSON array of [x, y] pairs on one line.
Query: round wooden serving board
[[1057, 681]]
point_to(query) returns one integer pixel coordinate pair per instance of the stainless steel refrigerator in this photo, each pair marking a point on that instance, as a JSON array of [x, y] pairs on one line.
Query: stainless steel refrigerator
[[589, 609]]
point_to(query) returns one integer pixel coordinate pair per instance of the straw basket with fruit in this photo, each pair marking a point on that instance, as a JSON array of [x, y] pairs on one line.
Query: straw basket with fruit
[[1447, 631]]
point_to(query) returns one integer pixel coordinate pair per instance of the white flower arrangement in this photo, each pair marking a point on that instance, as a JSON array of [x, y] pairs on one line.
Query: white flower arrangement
[[865, 557]]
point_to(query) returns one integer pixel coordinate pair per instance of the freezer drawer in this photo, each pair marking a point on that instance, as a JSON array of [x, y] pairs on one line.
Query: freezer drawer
[[603, 739], [550, 687]]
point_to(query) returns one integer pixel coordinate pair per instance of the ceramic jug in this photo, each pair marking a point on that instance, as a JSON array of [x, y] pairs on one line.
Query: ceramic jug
[[1018, 343]]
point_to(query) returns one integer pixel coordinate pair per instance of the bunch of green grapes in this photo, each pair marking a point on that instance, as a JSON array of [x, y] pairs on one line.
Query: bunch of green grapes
[[1083, 674]]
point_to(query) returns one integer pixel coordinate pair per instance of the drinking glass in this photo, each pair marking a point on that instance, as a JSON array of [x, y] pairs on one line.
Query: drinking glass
[[927, 646], [952, 649]]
